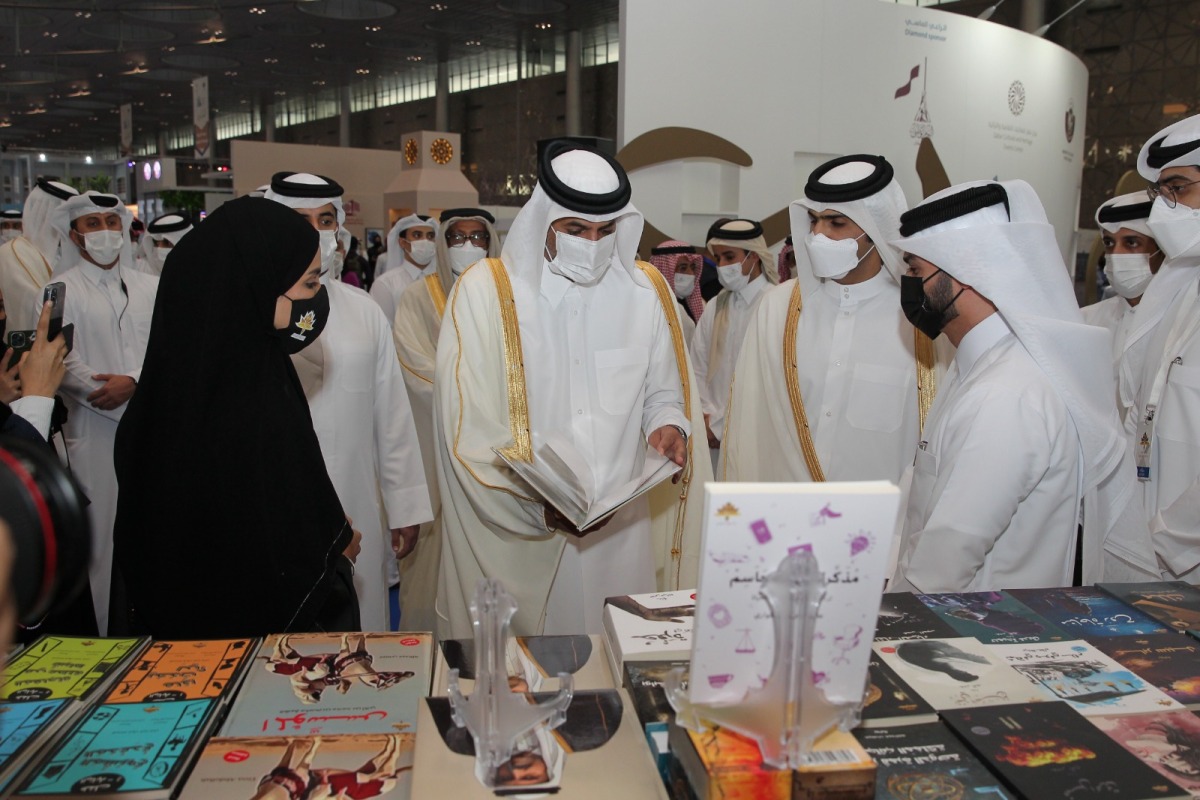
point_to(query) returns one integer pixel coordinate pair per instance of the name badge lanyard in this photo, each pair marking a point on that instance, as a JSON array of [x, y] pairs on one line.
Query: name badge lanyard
[[1185, 324]]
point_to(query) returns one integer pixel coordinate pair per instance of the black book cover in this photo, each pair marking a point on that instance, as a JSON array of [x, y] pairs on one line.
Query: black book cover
[[1168, 661], [1049, 750], [890, 700], [927, 761], [1088, 613], [903, 616], [1173, 603], [646, 683]]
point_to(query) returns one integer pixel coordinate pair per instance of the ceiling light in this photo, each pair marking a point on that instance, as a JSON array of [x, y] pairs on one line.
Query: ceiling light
[[414, 58], [373, 28], [543, 26], [473, 43], [317, 45], [438, 7], [270, 60], [363, 71], [5, 123], [257, 10], [41, 156], [87, 159]]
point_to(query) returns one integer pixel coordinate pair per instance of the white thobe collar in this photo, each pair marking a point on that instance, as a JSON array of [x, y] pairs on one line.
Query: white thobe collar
[[416, 271], [850, 294], [979, 340], [554, 286], [98, 276], [751, 291]]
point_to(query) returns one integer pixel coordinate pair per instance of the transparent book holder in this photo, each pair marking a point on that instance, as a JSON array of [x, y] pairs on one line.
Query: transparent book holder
[[788, 713], [497, 717]]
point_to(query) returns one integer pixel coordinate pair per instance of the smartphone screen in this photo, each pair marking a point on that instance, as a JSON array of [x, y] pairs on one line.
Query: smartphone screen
[[56, 295]]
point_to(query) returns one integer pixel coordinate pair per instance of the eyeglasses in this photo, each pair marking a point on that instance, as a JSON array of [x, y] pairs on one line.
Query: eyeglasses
[[1167, 191], [478, 237]]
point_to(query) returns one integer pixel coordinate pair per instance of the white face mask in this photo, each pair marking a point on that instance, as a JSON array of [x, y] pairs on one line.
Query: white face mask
[[421, 252], [336, 264], [328, 248], [833, 258], [1129, 273], [731, 276], [684, 285], [463, 256], [581, 260], [103, 246], [1177, 230]]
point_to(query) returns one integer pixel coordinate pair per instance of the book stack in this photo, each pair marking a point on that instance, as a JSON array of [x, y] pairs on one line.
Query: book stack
[[648, 627], [141, 737]]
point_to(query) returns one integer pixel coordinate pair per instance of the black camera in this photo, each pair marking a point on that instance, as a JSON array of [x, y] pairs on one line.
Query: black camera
[[21, 340], [46, 514]]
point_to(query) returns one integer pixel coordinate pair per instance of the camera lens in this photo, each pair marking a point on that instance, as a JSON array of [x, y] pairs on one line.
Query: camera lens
[[47, 518], [17, 339]]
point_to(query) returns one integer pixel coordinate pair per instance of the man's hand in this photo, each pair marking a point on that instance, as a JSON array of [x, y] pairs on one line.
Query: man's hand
[[404, 540], [44, 366], [557, 522], [115, 392], [355, 547], [10, 381], [669, 442]]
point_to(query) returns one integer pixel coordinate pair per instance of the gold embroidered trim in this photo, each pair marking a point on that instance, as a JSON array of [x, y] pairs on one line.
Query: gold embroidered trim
[[514, 363], [792, 374], [436, 293], [411, 370], [926, 357], [666, 298], [458, 387]]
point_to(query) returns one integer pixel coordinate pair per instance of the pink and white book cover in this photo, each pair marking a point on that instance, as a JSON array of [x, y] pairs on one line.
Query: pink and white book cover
[[749, 528]]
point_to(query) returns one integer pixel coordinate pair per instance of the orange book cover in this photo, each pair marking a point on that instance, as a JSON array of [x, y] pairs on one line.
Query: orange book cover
[[183, 671]]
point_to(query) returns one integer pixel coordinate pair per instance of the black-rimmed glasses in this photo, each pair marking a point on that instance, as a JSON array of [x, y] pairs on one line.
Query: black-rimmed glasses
[[478, 238], [1167, 191]]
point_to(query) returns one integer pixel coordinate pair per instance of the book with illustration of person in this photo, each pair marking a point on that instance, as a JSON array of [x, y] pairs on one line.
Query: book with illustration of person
[[359, 766], [1046, 751], [314, 684], [958, 673], [1086, 612], [1173, 603], [927, 761], [1081, 675], [141, 750], [1168, 741], [903, 616], [992, 617], [1167, 661]]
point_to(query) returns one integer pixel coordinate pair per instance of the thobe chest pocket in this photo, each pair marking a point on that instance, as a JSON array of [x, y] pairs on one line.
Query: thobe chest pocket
[[1180, 421], [620, 376], [879, 397]]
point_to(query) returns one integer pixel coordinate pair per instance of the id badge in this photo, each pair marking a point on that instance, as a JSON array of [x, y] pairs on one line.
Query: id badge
[[1144, 449]]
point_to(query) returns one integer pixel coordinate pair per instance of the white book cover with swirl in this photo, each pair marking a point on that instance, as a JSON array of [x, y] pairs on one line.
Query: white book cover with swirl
[[749, 528]]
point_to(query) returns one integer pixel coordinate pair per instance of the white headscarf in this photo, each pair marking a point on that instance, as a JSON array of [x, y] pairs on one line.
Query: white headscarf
[[878, 214], [444, 270], [1176, 145], [524, 250], [36, 221], [150, 236], [394, 256], [756, 245], [1012, 258], [295, 197], [1138, 223], [82, 205]]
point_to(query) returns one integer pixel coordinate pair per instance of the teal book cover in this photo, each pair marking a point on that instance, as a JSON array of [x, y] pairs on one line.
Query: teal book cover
[[992, 617]]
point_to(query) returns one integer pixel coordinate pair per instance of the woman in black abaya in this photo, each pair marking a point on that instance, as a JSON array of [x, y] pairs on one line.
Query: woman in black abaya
[[227, 522]]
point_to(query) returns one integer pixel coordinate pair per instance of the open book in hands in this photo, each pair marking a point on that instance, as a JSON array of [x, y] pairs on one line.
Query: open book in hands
[[561, 475]]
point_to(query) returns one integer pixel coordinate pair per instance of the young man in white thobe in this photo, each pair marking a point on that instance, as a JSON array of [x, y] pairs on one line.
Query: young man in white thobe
[[565, 335], [1160, 368], [832, 382], [28, 260], [746, 270], [110, 303], [359, 407], [1025, 425], [161, 235], [465, 235], [411, 255], [1131, 259]]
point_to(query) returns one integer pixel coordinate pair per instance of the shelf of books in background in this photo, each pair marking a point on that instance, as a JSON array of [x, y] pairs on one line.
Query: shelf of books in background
[[790, 583], [151, 708], [322, 715]]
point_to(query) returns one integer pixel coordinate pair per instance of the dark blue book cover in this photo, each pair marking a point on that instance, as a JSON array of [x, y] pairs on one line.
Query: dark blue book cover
[[903, 616], [992, 617], [1086, 612], [1172, 603]]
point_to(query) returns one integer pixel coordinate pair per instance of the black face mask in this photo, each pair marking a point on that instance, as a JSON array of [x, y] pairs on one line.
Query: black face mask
[[915, 304], [306, 322]]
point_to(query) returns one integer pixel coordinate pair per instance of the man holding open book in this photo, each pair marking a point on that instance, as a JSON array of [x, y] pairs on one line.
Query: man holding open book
[[561, 366]]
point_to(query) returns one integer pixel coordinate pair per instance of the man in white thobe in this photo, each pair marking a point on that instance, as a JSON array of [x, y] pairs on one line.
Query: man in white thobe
[[564, 336], [359, 408], [160, 236], [28, 260], [465, 235], [1131, 259], [411, 255], [1025, 424], [110, 305], [832, 382], [746, 270], [1160, 368]]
